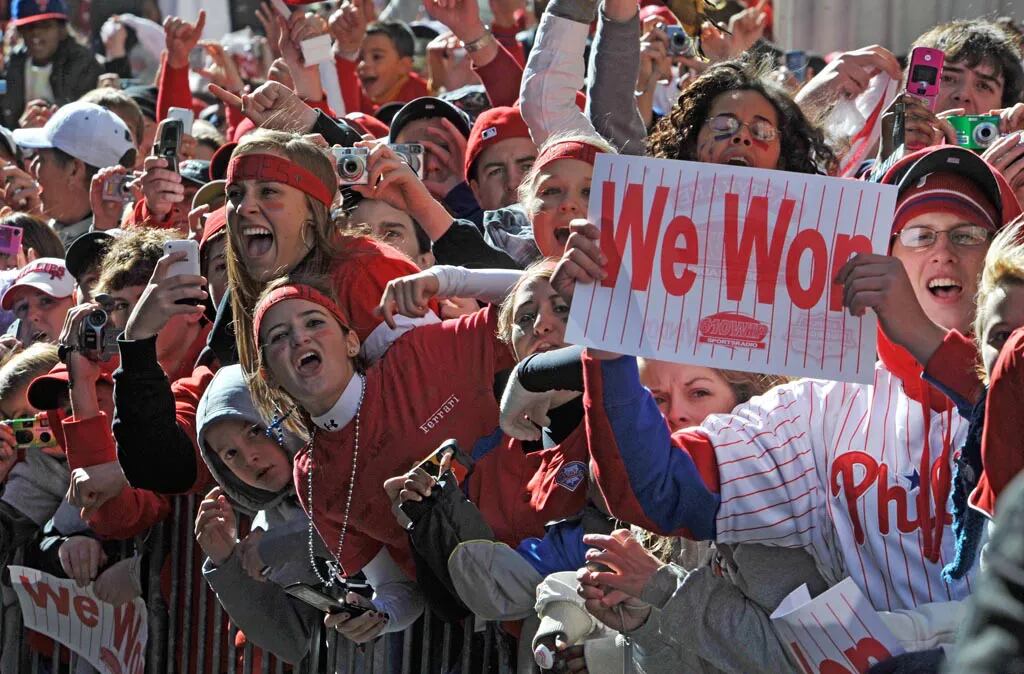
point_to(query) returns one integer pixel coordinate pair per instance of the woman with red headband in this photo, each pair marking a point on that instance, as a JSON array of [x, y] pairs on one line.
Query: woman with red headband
[[365, 427], [280, 189]]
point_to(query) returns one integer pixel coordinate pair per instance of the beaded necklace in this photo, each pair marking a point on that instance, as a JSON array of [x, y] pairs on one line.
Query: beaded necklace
[[335, 564]]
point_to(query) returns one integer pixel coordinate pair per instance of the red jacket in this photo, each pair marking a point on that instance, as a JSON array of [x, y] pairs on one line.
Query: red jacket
[[435, 383], [355, 97]]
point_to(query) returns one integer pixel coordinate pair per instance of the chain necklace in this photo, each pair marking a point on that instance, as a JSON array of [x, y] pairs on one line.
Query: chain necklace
[[335, 564]]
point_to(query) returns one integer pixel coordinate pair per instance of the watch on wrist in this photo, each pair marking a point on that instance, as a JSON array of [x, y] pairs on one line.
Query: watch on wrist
[[64, 351], [481, 42]]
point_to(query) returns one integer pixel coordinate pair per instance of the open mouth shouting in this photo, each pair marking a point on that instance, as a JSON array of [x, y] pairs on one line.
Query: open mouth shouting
[[308, 363], [561, 235], [946, 289], [257, 241]]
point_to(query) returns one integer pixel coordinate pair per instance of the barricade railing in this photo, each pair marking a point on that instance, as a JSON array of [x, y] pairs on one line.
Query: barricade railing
[[189, 631]]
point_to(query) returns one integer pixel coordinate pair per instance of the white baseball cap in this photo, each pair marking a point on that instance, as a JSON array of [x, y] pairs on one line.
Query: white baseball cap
[[83, 130], [47, 274]]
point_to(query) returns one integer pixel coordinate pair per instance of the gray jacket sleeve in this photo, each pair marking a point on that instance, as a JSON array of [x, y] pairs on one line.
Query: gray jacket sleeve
[[724, 613], [611, 83], [263, 611]]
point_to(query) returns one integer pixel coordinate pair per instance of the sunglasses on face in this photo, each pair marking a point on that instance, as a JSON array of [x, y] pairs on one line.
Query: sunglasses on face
[[727, 126], [922, 236]]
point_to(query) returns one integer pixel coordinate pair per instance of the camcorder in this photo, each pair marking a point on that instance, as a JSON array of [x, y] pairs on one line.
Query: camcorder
[[97, 337]]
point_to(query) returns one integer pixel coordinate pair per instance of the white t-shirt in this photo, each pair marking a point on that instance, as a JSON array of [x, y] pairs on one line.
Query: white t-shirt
[[37, 82]]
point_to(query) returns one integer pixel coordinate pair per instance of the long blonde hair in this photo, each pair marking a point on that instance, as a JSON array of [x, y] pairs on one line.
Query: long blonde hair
[[1004, 266], [245, 289]]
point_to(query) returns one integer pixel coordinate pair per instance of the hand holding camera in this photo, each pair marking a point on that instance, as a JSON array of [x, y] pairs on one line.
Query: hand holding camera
[[109, 191], [87, 339], [8, 451], [391, 173]]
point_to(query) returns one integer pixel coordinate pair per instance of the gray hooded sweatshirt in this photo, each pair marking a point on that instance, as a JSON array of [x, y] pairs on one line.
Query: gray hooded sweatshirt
[[267, 615]]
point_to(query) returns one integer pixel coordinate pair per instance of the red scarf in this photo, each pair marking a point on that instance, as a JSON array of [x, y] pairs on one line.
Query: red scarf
[[900, 363]]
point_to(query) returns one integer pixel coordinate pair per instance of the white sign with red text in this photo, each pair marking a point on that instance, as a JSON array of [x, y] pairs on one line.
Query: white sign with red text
[[730, 267], [837, 632], [111, 638]]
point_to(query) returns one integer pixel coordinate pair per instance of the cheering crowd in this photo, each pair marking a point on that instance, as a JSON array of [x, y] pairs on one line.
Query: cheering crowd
[[283, 270]]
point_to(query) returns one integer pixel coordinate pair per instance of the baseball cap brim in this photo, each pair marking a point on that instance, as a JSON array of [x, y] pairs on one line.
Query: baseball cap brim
[[44, 392], [7, 301], [952, 159], [35, 138], [427, 107], [18, 23], [208, 193], [84, 250]]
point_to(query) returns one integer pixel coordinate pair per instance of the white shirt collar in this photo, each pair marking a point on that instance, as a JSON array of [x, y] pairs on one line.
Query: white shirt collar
[[345, 408]]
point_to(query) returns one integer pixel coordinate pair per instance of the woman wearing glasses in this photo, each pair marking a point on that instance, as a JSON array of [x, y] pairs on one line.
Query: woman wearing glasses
[[733, 115]]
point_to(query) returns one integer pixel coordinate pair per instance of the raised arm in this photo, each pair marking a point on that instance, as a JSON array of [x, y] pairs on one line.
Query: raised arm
[[554, 72], [614, 65]]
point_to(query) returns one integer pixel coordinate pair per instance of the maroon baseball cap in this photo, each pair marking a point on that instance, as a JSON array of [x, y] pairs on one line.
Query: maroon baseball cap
[[491, 127]]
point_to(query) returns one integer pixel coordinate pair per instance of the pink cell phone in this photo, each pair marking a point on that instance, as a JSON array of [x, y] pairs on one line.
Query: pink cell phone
[[10, 240], [925, 74]]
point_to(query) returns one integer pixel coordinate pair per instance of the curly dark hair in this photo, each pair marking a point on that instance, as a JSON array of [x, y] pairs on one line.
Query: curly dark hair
[[804, 149]]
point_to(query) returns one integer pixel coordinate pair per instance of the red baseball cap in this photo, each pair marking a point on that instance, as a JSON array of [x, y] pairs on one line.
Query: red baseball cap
[[44, 391], [493, 126], [216, 222]]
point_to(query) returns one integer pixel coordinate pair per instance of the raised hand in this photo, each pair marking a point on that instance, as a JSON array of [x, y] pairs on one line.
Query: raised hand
[[582, 260], [106, 214], [223, 72], [271, 106], [461, 16], [159, 301], [348, 26], [849, 74], [216, 528], [181, 37], [267, 16]]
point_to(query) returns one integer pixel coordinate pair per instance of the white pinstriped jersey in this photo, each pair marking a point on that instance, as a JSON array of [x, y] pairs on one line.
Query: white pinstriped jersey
[[834, 468]]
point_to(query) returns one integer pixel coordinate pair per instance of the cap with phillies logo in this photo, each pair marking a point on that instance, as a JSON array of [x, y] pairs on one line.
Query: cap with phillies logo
[[493, 126], [47, 274], [83, 130], [24, 12]]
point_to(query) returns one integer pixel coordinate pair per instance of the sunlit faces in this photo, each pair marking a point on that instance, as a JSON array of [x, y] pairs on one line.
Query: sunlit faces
[[380, 68], [499, 170], [41, 315], [686, 394], [944, 275], [307, 353], [245, 449], [977, 90], [56, 180], [392, 226], [539, 316], [1003, 313], [42, 39], [742, 148], [561, 193], [269, 224], [429, 130]]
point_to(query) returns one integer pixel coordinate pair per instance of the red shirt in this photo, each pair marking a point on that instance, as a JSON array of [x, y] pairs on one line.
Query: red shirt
[[519, 492], [355, 96], [434, 383]]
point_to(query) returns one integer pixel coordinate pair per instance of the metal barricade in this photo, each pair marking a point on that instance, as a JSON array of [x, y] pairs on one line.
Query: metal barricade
[[189, 631]]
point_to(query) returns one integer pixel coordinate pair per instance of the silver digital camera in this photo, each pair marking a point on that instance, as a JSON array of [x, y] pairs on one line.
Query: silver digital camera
[[679, 43], [97, 338], [411, 154], [351, 165]]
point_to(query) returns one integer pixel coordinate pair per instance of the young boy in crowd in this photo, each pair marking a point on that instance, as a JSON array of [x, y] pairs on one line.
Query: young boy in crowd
[[379, 69]]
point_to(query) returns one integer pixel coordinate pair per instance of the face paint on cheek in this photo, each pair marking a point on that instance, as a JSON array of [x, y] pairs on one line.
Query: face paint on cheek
[[759, 144]]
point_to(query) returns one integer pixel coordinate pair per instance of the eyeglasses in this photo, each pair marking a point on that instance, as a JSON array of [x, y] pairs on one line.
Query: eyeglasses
[[727, 126], [921, 236]]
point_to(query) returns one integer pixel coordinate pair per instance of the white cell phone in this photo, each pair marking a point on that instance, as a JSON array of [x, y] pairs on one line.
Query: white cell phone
[[186, 116], [190, 265]]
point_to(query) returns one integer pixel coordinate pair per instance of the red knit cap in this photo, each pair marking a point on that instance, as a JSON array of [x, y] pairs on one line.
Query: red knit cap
[[946, 193], [493, 126]]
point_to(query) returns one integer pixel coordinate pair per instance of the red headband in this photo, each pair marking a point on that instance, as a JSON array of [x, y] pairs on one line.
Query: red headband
[[275, 169], [294, 292], [567, 149]]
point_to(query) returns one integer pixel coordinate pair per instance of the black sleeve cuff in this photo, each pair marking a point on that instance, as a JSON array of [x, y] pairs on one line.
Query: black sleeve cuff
[[334, 133], [557, 370], [138, 356]]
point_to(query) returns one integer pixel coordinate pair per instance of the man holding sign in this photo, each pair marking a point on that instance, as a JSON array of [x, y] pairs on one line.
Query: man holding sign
[[858, 475]]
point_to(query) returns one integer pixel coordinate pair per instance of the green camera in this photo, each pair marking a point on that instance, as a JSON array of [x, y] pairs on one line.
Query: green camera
[[975, 132]]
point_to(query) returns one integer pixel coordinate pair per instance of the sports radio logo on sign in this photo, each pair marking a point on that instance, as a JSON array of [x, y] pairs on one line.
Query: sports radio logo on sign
[[728, 328]]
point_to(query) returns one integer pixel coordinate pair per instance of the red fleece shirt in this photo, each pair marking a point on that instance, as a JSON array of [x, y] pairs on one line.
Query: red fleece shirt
[[434, 383], [355, 96]]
